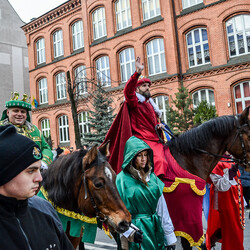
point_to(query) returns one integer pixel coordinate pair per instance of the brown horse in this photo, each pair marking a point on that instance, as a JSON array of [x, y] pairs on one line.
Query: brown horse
[[198, 151], [84, 182]]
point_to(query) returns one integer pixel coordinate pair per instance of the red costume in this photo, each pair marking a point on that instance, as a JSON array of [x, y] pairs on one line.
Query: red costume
[[225, 213]]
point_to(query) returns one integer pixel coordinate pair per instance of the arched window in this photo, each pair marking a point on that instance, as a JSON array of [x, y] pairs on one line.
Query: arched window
[[80, 80], [103, 71], [83, 123], [123, 15], [63, 125], [61, 86], [99, 23], [162, 102], [189, 3], [45, 127], [242, 96], [238, 35], [58, 43], [203, 95], [156, 56], [77, 35], [197, 46], [43, 91], [127, 63], [40, 51], [150, 9]]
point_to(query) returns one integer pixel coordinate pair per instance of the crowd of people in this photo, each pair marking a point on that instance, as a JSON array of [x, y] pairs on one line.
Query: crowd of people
[[24, 152]]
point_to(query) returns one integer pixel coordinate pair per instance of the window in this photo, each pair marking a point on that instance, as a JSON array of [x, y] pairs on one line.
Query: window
[[40, 51], [61, 86], [127, 63], [123, 15], [197, 46], [163, 104], [150, 8], [63, 128], [103, 71], [58, 43], [77, 35], [238, 35], [189, 3], [45, 126], [242, 96], [99, 23], [80, 80], [203, 95], [83, 123], [43, 91], [156, 57]]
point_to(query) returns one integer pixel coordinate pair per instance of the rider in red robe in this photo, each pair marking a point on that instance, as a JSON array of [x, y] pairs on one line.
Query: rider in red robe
[[226, 212]]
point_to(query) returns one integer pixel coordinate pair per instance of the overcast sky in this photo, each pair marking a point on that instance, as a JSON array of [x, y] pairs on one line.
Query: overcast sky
[[28, 9]]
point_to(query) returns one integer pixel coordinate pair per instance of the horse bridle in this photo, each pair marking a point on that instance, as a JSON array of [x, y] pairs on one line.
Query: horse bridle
[[243, 162]]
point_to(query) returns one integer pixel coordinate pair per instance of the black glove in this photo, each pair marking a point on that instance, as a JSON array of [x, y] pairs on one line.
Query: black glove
[[172, 247], [232, 172], [138, 236]]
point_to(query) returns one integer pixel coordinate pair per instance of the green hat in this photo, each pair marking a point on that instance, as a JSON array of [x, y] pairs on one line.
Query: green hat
[[14, 102]]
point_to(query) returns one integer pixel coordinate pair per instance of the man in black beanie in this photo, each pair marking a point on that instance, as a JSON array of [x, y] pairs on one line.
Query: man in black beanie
[[26, 221]]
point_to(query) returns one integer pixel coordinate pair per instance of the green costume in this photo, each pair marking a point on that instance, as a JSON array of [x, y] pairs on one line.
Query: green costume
[[141, 200], [29, 130]]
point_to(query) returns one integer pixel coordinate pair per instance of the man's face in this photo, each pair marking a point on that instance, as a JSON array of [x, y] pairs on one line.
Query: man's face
[[25, 184], [143, 89], [17, 116]]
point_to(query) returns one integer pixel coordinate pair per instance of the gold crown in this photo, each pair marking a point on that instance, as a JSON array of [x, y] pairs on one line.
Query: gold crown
[[15, 96]]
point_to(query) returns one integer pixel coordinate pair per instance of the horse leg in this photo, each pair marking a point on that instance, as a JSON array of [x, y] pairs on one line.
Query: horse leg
[[185, 244], [75, 241]]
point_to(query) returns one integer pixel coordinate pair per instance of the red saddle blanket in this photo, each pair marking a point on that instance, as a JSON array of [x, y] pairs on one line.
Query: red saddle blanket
[[184, 195]]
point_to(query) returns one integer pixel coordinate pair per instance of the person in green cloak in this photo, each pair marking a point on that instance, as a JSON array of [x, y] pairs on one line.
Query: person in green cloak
[[142, 193]]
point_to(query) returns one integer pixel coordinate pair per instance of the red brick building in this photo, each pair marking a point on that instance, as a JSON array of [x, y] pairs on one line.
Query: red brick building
[[205, 43]]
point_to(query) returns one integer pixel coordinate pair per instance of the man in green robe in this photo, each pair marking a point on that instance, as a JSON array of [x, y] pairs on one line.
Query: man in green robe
[[141, 191], [17, 114]]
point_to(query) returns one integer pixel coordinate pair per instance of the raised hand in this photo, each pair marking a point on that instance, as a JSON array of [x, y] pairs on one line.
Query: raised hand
[[138, 65]]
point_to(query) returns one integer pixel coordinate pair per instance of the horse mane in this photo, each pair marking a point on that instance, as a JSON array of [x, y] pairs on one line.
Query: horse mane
[[59, 180], [201, 136]]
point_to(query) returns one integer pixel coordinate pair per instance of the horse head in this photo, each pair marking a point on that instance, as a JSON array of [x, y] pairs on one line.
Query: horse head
[[99, 195]]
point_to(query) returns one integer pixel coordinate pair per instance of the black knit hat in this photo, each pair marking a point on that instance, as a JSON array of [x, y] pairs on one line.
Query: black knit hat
[[17, 152]]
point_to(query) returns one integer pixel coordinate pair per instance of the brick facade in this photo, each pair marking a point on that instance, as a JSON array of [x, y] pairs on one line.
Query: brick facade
[[220, 75]]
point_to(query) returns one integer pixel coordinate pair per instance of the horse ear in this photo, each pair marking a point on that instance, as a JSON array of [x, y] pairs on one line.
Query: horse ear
[[89, 157], [244, 116], [104, 149]]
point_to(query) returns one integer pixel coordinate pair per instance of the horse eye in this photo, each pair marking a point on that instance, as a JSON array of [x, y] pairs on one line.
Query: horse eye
[[98, 184]]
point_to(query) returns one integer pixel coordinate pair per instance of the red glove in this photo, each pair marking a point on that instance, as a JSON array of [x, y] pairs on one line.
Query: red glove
[[232, 172]]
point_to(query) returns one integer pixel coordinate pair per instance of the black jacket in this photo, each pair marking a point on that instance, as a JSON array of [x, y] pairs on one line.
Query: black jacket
[[30, 224]]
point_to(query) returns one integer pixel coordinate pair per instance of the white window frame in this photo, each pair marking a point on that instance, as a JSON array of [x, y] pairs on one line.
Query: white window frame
[[127, 63], [164, 109], [158, 66], [244, 42], [190, 3], [243, 99], [63, 125], [80, 80], [103, 71], [123, 14], [61, 86], [77, 35], [83, 120], [43, 90], [45, 127], [40, 51], [58, 43], [150, 9], [99, 23], [198, 92], [194, 45]]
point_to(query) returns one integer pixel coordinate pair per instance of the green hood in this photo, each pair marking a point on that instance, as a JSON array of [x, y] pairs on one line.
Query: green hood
[[133, 146]]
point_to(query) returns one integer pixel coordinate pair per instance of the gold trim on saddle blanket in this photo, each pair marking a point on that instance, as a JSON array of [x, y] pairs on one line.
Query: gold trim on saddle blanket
[[185, 181], [68, 213], [190, 239]]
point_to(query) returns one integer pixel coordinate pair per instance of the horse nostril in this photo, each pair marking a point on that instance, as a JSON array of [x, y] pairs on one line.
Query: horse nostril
[[123, 226]]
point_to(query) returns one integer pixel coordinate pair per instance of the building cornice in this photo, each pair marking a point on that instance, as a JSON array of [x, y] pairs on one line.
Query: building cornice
[[67, 8]]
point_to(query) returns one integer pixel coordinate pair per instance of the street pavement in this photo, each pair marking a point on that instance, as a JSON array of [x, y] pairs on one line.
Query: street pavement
[[104, 242]]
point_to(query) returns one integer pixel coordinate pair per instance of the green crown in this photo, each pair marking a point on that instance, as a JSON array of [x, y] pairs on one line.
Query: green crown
[[14, 102]]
